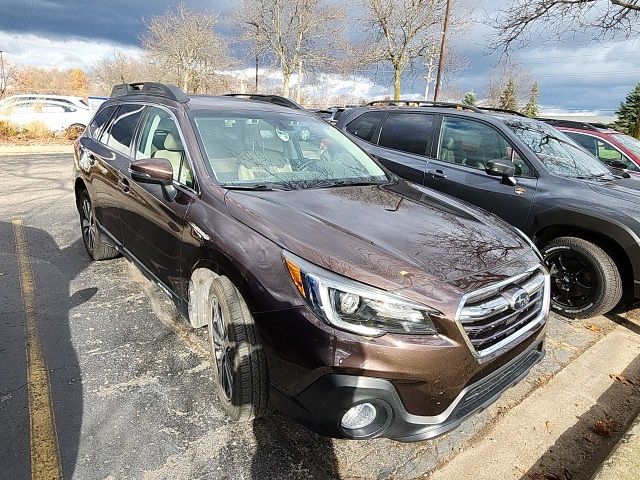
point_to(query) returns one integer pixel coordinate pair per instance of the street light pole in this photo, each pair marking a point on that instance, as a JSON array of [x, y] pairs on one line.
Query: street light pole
[[257, 59], [443, 44], [3, 80]]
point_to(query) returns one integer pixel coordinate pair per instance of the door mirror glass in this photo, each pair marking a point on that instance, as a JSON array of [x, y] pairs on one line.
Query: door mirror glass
[[502, 168], [152, 170]]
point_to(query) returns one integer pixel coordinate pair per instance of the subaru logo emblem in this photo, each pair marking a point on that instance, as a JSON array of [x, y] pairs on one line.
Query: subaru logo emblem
[[517, 298]]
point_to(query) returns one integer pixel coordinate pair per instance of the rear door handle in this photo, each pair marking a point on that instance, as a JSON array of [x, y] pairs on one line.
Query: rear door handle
[[436, 173], [123, 184]]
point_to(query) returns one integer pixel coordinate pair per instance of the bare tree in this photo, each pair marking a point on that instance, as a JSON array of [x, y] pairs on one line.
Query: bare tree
[[499, 78], [184, 45], [121, 68], [522, 19], [400, 32], [294, 35]]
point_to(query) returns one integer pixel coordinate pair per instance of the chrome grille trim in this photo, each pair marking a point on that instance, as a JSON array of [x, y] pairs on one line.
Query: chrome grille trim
[[481, 313]]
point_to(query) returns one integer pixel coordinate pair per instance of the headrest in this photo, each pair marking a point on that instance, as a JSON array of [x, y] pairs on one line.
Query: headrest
[[172, 142], [448, 143]]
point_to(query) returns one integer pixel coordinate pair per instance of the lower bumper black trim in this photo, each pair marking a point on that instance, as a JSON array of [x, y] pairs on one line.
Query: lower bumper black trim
[[321, 406]]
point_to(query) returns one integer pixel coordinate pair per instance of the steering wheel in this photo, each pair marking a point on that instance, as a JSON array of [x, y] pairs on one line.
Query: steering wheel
[[306, 165]]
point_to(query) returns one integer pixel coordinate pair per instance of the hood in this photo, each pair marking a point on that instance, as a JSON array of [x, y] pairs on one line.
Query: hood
[[392, 236], [627, 189]]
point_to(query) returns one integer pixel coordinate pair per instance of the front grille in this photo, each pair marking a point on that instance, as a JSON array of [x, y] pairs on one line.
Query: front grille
[[496, 315]]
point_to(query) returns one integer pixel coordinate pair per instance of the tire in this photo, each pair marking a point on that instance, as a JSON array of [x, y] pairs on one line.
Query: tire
[[585, 265], [238, 358], [96, 247]]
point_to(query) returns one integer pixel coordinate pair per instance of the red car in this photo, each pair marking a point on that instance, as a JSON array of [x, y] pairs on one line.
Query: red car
[[615, 149]]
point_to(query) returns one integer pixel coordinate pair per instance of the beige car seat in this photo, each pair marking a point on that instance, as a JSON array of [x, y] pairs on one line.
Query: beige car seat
[[174, 152]]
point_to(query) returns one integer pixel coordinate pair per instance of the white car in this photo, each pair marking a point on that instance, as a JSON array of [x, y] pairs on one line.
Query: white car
[[58, 113]]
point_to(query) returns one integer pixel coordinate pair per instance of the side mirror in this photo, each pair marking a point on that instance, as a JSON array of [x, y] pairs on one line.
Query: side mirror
[[152, 170], [157, 171], [616, 164], [502, 168]]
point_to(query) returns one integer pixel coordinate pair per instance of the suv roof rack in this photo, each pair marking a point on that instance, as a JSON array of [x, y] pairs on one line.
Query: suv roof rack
[[423, 103], [501, 110], [150, 88], [275, 99], [574, 124]]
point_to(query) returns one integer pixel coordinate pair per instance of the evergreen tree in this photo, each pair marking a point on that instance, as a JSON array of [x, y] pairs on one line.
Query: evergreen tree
[[470, 98], [629, 114], [532, 109], [508, 99]]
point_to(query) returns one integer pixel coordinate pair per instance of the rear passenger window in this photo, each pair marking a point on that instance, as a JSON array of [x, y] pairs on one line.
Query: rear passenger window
[[365, 126], [123, 128], [99, 121], [408, 132]]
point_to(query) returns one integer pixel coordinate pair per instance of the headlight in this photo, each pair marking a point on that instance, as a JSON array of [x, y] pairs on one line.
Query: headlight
[[356, 307]]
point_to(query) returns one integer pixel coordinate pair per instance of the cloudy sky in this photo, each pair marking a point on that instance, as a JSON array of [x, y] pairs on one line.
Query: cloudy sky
[[574, 76]]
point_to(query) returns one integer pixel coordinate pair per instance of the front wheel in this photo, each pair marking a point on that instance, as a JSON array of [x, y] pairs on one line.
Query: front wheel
[[585, 280], [239, 361]]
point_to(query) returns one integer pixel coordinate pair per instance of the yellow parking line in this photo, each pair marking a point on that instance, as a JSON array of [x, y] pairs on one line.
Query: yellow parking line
[[45, 455]]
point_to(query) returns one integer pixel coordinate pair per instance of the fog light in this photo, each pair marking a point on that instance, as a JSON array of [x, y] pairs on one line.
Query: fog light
[[360, 416]]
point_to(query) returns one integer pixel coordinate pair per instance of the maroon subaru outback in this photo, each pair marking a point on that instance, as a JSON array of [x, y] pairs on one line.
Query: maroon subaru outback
[[355, 302]]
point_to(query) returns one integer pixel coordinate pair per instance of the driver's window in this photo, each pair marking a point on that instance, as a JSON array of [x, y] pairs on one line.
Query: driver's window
[[472, 144], [160, 138]]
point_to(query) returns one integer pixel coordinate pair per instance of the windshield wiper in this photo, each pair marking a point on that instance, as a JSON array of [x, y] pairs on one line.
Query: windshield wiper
[[258, 187], [350, 183], [594, 176]]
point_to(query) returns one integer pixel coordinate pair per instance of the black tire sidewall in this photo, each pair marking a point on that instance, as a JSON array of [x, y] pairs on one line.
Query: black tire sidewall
[[596, 267], [237, 319]]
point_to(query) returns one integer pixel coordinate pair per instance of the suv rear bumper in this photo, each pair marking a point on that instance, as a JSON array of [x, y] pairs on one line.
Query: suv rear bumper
[[322, 405]]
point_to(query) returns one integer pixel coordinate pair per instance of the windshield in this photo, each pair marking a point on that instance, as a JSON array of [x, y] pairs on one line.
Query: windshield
[[281, 150], [559, 153], [629, 142]]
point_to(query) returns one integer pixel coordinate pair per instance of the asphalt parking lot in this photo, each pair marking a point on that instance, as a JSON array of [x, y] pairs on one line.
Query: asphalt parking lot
[[100, 354]]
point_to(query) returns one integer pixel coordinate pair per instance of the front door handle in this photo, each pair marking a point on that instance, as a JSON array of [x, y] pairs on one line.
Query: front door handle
[[436, 173], [123, 184]]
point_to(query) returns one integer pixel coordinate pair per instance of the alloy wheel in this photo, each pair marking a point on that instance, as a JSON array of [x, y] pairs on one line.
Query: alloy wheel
[[221, 350], [572, 279], [88, 225]]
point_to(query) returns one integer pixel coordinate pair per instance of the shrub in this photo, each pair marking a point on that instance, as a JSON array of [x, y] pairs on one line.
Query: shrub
[[8, 130], [36, 131]]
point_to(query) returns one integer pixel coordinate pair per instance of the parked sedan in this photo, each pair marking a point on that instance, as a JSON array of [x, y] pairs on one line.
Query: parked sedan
[[355, 302], [56, 115]]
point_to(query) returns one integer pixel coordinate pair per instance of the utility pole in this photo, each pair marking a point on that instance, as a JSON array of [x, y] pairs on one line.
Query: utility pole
[[443, 45], [3, 80], [429, 78], [257, 58]]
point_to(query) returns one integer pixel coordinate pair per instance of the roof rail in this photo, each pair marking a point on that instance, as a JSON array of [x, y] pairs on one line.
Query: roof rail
[[275, 99], [502, 110], [574, 124], [150, 88], [423, 103]]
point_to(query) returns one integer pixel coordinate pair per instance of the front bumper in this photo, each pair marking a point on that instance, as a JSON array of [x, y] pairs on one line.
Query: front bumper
[[322, 405]]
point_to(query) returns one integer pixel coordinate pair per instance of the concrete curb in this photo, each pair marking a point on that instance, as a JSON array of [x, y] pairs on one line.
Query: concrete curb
[[550, 433], [34, 149], [624, 461]]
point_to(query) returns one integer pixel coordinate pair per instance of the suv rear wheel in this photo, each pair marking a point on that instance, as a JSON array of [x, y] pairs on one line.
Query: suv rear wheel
[[238, 358], [585, 281], [97, 248]]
